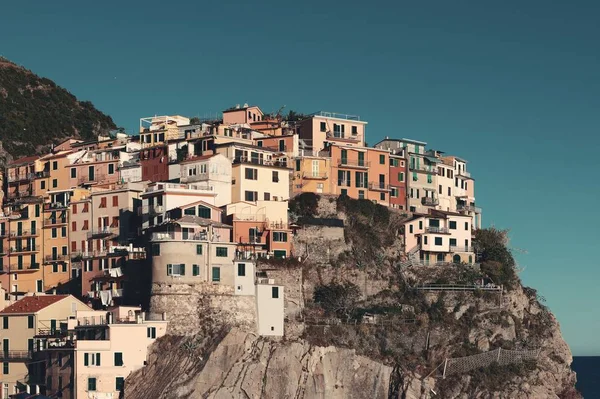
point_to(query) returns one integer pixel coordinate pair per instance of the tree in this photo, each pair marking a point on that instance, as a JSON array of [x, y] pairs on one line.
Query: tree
[[338, 299]]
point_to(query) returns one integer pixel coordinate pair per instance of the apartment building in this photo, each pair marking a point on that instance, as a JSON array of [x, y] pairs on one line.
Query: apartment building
[[245, 114], [100, 166], [192, 250], [322, 127], [288, 144], [4, 251], [55, 175], [440, 237], [312, 174], [260, 228], [21, 175], [158, 198], [464, 189], [214, 171], [22, 323], [158, 130]]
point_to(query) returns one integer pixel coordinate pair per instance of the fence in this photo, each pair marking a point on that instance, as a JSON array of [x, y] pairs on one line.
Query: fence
[[486, 359]]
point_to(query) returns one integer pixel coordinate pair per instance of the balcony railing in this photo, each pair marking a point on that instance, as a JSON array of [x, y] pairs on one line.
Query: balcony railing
[[428, 201], [152, 210], [116, 293], [95, 179], [254, 240], [439, 230], [464, 173], [55, 206], [55, 221], [468, 208], [454, 248], [24, 233], [21, 177], [105, 232], [315, 176], [28, 248], [172, 236], [25, 268], [345, 163], [258, 161], [424, 168], [15, 355], [343, 183], [337, 116], [378, 186], [56, 258]]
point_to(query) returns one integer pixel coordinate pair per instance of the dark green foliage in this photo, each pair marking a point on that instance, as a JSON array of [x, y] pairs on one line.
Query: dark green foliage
[[370, 210], [35, 112], [496, 259], [337, 299], [304, 205], [294, 116]]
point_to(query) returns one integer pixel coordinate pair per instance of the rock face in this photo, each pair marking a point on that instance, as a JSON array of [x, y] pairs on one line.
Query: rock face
[[246, 366]]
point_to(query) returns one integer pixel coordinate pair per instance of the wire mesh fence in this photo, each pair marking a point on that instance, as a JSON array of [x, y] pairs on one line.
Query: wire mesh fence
[[501, 356]]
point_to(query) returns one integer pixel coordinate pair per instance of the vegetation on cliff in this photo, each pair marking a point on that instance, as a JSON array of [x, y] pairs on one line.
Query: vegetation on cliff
[[35, 112]]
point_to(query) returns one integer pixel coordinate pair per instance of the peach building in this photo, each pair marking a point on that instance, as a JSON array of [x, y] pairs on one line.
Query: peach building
[[261, 228], [322, 127], [23, 323], [94, 167], [240, 115], [157, 130], [288, 144], [97, 350], [21, 175], [313, 174], [440, 237]]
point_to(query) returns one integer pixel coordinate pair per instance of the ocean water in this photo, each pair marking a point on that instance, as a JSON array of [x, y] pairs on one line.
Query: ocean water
[[588, 375]]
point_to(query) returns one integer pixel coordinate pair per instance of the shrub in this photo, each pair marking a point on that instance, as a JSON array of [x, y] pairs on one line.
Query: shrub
[[304, 205], [338, 299]]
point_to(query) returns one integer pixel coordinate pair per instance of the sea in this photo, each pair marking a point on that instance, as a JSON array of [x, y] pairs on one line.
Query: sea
[[588, 375]]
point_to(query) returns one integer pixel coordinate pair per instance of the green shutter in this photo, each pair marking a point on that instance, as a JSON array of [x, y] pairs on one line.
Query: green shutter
[[86, 359], [169, 270], [118, 359], [119, 383], [182, 269], [148, 332], [97, 359], [195, 270], [199, 249]]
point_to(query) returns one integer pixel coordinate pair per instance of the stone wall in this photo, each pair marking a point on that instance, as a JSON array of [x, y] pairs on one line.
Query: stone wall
[[189, 306]]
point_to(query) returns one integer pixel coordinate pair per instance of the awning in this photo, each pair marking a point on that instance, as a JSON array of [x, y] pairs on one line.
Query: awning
[[433, 159]]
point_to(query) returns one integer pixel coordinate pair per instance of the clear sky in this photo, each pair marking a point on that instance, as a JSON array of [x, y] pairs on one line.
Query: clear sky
[[512, 86]]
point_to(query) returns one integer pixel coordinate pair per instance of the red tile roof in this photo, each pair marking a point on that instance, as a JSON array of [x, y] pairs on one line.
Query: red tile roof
[[23, 160], [32, 304]]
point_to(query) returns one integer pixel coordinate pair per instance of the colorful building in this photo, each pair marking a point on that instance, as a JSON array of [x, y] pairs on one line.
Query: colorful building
[[322, 127]]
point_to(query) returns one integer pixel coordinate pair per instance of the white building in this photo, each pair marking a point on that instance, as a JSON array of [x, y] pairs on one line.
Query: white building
[[214, 170]]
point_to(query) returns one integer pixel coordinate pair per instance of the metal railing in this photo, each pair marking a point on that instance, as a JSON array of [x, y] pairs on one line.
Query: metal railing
[[107, 231], [343, 162], [440, 230], [379, 186], [428, 201], [336, 115], [16, 355], [323, 175], [56, 258], [55, 221], [31, 266], [172, 236], [28, 248], [258, 161], [424, 168], [455, 248], [22, 233], [55, 206], [250, 240]]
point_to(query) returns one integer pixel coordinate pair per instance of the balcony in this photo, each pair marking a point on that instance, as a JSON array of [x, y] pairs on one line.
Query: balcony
[[341, 136], [117, 293], [15, 356], [136, 253], [343, 183], [258, 161], [55, 258], [21, 177], [336, 115], [20, 193], [315, 176], [428, 201], [436, 230], [23, 233], [32, 267], [464, 173], [25, 249], [345, 163], [424, 168], [55, 221], [101, 233], [98, 178], [177, 236], [378, 186], [152, 210], [3, 234], [55, 206], [454, 248], [468, 208], [252, 240]]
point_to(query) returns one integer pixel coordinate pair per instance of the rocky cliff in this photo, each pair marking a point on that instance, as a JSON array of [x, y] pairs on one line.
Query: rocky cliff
[[357, 326]]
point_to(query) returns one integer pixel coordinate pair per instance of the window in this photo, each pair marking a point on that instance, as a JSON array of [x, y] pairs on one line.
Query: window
[[54, 183], [30, 321], [103, 202], [354, 130], [73, 173], [449, 191], [63, 232], [91, 384], [85, 225], [195, 270], [43, 185], [453, 242], [241, 269], [111, 168], [466, 225], [415, 177], [382, 196], [176, 270], [279, 254], [438, 241], [280, 236], [73, 226], [298, 165], [429, 179], [155, 249], [216, 274], [344, 192], [199, 249], [440, 189], [394, 192], [91, 359], [275, 177], [119, 383], [425, 240], [323, 126], [251, 174], [400, 176], [203, 212], [221, 252], [452, 225], [5, 322], [420, 225], [54, 165], [190, 211], [410, 228], [5, 370], [115, 200], [275, 292], [361, 194], [251, 195], [151, 332], [382, 159], [118, 358], [267, 196]]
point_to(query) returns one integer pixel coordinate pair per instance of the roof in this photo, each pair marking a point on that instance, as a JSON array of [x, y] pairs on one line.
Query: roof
[[198, 221], [200, 202], [23, 160], [32, 304], [241, 108], [440, 213], [198, 158], [411, 141]]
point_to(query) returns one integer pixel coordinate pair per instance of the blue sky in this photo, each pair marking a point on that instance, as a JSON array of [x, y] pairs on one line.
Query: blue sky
[[513, 87]]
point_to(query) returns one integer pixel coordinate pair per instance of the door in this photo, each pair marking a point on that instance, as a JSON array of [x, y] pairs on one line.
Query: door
[[381, 181], [456, 259], [426, 258], [40, 286], [33, 227], [52, 326], [315, 168], [91, 173], [281, 145], [361, 159], [54, 253], [344, 157]]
